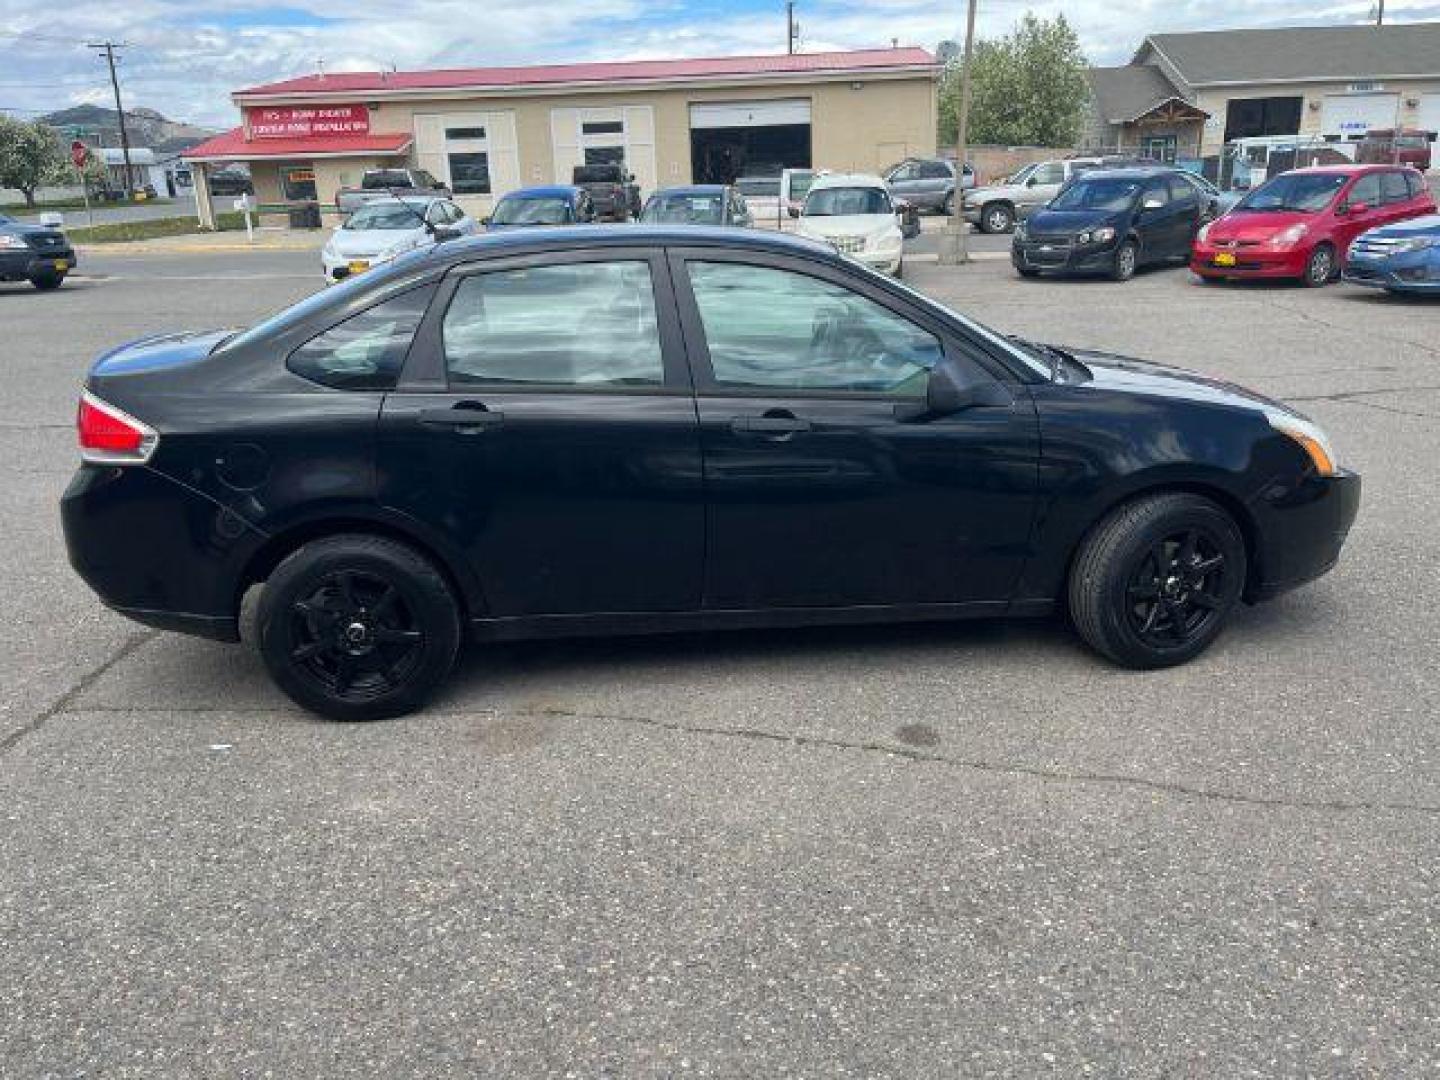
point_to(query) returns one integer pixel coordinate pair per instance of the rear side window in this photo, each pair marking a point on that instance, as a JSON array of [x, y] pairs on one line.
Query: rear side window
[[366, 351], [1415, 183], [1393, 187], [586, 326]]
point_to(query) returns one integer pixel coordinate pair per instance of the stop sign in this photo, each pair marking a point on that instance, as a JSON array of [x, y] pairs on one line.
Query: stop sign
[[79, 153]]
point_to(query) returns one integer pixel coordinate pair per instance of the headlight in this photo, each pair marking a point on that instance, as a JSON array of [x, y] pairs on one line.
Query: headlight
[[1314, 441], [8, 241], [1102, 235], [1293, 235]]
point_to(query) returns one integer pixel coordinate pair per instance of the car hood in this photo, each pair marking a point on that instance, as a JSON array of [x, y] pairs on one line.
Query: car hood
[[829, 228], [1429, 225], [1070, 221], [1125, 374], [158, 352], [1256, 225], [367, 243]]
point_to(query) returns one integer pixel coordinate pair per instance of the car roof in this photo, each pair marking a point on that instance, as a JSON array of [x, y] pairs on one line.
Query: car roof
[[1131, 172], [848, 180], [521, 241], [691, 189], [1347, 170], [544, 191]]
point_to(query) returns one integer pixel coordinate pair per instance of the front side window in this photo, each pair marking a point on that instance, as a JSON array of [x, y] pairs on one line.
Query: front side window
[[1366, 190], [1393, 187], [770, 329], [1051, 172], [908, 171], [470, 173], [366, 351], [847, 201], [585, 326]]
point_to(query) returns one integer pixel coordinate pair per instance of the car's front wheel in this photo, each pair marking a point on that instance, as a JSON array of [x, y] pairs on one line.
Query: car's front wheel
[[1155, 582], [1126, 259], [1320, 267], [358, 627], [997, 218]]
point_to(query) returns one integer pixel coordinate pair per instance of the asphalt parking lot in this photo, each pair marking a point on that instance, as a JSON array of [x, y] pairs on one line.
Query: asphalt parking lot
[[937, 850]]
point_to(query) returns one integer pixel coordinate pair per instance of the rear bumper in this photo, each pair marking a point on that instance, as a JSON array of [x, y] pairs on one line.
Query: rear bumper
[[156, 550], [20, 265], [1300, 534]]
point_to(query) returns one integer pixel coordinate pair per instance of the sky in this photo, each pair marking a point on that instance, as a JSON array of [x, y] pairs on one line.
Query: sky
[[185, 57]]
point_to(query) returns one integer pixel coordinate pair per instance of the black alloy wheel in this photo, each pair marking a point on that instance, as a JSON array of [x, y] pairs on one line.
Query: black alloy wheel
[[1154, 583], [358, 627]]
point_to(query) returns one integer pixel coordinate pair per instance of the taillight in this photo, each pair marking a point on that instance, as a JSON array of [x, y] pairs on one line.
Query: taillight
[[110, 436]]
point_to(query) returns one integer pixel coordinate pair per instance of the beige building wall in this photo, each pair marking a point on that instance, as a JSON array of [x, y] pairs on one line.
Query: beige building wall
[[857, 124], [1214, 102]]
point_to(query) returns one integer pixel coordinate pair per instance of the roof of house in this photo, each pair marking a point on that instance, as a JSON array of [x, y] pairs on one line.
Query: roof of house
[[233, 146], [1122, 94], [1294, 53], [379, 82]]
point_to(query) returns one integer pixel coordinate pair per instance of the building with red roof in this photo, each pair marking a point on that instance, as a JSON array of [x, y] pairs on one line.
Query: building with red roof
[[486, 131]]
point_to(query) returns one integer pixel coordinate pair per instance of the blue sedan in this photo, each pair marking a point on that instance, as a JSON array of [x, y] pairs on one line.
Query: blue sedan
[[1403, 257]]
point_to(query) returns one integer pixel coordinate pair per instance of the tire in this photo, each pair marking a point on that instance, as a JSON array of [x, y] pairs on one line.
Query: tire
[[1154, 583], [46, 282], [1320, 268], [997, 218], [1127, 258], [358, 627]]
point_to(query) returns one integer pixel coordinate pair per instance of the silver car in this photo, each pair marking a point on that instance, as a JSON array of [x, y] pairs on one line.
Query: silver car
[[996, 207], [927, 183]]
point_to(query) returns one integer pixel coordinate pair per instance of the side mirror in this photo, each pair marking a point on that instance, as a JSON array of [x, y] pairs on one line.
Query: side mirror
[[485, 220], [443, 233], [949, 391], [793, 211], [1355, 207]]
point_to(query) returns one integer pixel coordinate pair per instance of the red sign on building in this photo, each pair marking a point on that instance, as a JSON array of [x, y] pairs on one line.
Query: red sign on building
[[304, 122]]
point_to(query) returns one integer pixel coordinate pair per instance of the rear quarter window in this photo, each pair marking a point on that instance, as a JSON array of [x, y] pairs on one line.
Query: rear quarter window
[[367, 350]]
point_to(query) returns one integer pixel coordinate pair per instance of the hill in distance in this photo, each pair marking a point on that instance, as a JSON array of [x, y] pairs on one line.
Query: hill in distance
[[146, 127]]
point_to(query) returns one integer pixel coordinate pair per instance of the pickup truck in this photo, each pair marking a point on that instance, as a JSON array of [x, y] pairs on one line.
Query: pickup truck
[[382, 183], [612, 190]]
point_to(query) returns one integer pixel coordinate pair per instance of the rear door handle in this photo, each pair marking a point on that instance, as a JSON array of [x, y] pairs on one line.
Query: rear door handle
[[768, 425], [463, 418]]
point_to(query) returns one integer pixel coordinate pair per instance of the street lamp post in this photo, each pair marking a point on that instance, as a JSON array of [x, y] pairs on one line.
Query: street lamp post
[[953, 247]]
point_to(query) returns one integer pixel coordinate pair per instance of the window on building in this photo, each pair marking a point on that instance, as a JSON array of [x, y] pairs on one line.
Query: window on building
[[366, 351], [458, 133], [470, 173], [604, 155], [586, 326], [298, 184], [602, 127], [1252, 117]]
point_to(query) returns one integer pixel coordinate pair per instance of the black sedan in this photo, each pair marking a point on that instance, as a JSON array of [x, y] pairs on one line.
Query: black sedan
[[39, 254], [591, 431]]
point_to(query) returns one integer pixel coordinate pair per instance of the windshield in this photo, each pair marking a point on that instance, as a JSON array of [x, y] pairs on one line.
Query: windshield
[[542, 210], [685, 210], [385, 178], [1097, 192], [847, 201], [1308, 193], [388, 216], [1024, 174]]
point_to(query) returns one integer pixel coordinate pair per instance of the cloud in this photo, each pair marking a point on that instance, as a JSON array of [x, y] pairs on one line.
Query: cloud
[[186, 59]]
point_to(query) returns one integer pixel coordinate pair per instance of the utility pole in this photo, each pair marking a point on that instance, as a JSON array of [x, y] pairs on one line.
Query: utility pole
[[792, 30], [108, 48], [1380, 13], [954, 247]]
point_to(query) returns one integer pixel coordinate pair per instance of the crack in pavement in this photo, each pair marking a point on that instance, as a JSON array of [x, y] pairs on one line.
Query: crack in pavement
[[1352, 397], [60, 705], [1349, 328]]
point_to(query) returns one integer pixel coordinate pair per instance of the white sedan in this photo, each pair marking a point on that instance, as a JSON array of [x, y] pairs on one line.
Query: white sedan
[[855, 215], [380, 230]]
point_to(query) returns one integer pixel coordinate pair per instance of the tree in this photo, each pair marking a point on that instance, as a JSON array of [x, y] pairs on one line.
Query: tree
[[30, 155], [1027, 88]]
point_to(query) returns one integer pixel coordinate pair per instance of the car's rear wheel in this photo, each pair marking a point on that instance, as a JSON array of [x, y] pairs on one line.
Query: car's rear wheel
[[1320, 267], [46, 282], [1155, 582], [358, 627], [997, 218]]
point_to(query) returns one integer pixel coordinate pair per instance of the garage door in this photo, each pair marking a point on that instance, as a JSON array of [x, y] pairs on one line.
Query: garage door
[[1429, 112], [744, 114], [1351, 115]]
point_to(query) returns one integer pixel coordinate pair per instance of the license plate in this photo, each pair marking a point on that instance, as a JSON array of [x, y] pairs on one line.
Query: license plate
[[358, 266], [61, 265], [1224, 258]]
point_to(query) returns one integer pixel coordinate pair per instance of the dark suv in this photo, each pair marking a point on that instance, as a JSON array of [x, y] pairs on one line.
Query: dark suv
[[1112, 221], [612, 190], [39, 254]]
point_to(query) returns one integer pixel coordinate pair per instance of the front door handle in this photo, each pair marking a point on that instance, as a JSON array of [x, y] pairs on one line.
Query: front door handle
[[771, 424], [466, 417]]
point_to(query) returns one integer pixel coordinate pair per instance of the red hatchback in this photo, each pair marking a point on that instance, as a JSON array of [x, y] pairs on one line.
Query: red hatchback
[[1300, 224]]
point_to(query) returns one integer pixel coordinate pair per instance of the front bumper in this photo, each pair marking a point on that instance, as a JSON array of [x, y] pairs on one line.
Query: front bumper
[[17, 265], [1299, 535], [1250, 262], [1061, 256], [1417, 271]]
